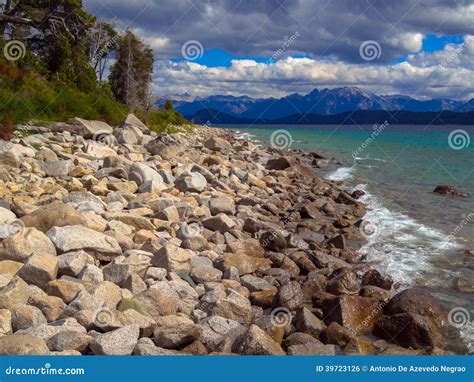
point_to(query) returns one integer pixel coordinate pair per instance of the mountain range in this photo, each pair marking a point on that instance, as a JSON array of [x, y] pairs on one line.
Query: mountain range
[[296, 107]]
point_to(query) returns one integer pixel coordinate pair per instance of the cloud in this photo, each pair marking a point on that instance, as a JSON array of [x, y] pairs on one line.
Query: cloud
[[330, 34], [449, 73]]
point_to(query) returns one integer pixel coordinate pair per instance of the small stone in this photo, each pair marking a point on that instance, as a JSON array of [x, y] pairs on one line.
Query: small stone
[[5, 322], [65, 288], [119, 342], [254, 284]]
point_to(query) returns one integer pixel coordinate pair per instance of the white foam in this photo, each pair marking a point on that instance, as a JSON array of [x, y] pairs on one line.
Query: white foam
[[342, 173], [403, 247]]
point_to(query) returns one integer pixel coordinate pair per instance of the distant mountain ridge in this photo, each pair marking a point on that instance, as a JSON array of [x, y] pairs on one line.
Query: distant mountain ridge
[[323, 102]]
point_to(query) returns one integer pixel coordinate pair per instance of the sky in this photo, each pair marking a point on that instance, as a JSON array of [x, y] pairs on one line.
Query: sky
[[271, 48]]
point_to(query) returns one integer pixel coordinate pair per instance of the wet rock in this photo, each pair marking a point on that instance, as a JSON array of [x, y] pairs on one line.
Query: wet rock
[[343, 281], [307, 322], [375, 278], [450, 191], [290, 296], [408, 330], [465, 281], [336, 334], [418, 301], [355, 313], [119, 342], [273, 241]]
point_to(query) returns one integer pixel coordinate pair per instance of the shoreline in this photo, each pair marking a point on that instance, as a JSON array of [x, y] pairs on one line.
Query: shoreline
[[192, 243]]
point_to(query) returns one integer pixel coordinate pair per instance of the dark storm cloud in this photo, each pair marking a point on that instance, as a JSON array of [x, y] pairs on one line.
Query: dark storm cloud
[[258, 27]]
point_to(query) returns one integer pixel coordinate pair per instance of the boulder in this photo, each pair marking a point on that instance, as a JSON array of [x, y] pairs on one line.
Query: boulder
[[173, 259], [76, 237], [15, 293], [176, 337], [141, 173], [355, 313], [408, 330], [307, 322], [166, 146], [53, 215], [336, 334], [257, 342], [132, 121], [221, 223], [69, 340], [375, 278], [450, 191], [191, 182], [39, 269], [222, 204], [118, 342], [243, 263], [418, 301], [216, 144], [22, 345], [290, 296], [90, 129], [343, 282], [21, 245]]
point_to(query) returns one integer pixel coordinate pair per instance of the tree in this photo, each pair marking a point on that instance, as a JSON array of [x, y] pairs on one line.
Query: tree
[[168, 106], [102, 42], [56, 31], [131, 75]]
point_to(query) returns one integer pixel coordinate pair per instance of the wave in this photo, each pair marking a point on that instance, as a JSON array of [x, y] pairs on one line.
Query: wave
[[342, 173], [369, 158], [403, 247]]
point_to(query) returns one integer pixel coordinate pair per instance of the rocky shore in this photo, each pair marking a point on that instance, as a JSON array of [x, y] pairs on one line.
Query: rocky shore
[[120, 241]]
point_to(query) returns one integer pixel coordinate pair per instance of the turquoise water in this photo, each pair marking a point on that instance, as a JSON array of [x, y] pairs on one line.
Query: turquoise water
[[418, 235]]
